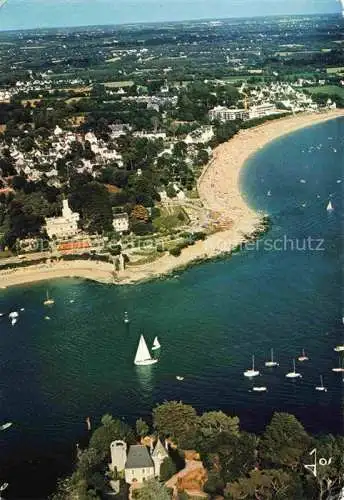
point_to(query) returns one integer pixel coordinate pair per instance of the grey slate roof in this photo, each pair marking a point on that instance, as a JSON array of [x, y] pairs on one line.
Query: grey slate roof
[[138, 458]]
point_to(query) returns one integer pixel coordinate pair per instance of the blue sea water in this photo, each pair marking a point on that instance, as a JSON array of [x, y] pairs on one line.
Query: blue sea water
[[210, 320]]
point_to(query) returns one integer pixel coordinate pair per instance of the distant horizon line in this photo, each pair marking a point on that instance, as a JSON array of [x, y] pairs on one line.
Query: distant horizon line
[[195, 20]]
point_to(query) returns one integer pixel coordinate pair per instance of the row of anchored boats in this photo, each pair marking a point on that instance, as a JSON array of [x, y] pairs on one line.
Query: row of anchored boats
[[271, 363]]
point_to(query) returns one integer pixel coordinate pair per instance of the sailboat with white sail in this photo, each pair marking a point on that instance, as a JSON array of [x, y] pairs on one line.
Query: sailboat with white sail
[[143, 357], [252, 372], [271, 363], [321, 387], [329, 207], [156, 344], [293, 374]]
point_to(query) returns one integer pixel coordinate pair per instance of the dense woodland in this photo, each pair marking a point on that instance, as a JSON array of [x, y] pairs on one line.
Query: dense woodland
[[240, 465]]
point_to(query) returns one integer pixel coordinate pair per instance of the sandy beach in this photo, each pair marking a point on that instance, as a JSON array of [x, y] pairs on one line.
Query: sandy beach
[[219, 191]]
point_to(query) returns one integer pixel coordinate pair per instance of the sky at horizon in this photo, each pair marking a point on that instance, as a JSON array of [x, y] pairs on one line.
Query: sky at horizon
[[26, 14]]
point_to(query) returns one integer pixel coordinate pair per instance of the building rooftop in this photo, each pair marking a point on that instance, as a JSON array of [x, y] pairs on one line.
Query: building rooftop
[[138, 457], [159, 450]]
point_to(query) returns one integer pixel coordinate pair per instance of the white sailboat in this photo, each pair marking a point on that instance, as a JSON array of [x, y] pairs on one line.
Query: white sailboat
[[271, 362], [156, 344], [252, 372], [321, 386], [303, 357], [143, 356], [329, 207], [48, 301], [293, 374], [340, 368]]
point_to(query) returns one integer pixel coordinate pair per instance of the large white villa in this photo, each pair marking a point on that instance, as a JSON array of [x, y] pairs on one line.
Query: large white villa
[[64, 226]]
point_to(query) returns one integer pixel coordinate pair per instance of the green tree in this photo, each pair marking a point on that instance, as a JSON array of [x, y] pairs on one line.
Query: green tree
[[167, 469], [170, 191], [152, 490], [110, 430], [142, 428], [284, 441], [177, 420], [330, 477], [265, 485], [216, 422], [93, 202]]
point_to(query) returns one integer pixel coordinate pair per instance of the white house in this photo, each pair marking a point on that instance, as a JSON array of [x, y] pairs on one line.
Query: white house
[[141, 464], [120, 222], [222, 113], [65, 226]]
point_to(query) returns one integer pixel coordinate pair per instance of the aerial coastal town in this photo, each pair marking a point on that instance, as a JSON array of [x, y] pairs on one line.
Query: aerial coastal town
[[102, 150], [121, 154]]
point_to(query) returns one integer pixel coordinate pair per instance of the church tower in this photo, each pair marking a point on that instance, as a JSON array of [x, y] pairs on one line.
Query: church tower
[[158, 456]]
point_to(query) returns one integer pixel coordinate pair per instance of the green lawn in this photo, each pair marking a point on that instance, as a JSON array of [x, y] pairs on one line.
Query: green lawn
[[331, 90], [117, 85]]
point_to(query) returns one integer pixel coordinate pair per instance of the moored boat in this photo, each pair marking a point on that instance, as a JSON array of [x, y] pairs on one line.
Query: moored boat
[[252, 372]]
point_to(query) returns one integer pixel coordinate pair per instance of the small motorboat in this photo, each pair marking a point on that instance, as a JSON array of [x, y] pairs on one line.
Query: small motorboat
[[259, 388], [178, 377], [126, 318], [3, 427], [13, 321], [339, 348], [22, 309], [47, 318]]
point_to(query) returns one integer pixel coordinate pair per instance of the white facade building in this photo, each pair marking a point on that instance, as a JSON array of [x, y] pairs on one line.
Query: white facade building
[[140, 464], [120, 222], [262, 110], [225, 114], [65, 226]]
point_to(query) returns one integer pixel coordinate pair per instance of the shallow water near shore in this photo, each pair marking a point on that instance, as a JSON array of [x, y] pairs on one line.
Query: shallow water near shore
[[210, 319]]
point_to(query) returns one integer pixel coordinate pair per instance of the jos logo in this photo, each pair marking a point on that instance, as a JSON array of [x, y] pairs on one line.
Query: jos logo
[[313, 468]]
